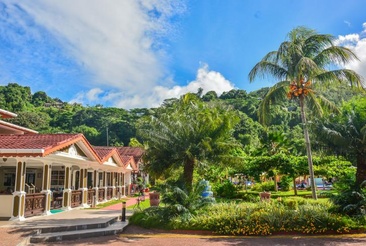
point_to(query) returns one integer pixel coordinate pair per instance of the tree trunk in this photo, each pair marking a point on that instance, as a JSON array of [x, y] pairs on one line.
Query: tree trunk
[[275, 183], [361, 169], [295, 188], [308, 148], [188, 173]]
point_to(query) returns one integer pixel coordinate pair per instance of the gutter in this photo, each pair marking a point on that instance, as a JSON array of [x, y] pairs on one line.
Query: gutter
[[21, 151]]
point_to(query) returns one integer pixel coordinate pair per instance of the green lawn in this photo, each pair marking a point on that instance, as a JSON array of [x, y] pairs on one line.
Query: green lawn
[[109, 203], [303, 193], [143, 205]]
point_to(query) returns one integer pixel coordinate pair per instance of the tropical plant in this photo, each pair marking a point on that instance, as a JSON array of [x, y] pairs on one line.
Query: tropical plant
[[178, 204], [346, 134], [186, 134], [351, 199], [225, 189], [301, 65]]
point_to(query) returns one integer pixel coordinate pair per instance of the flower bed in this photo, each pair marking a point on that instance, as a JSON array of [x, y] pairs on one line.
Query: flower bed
[[263, 218]]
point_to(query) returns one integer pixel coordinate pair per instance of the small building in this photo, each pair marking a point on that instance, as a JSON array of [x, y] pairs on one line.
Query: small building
[[42, 172]]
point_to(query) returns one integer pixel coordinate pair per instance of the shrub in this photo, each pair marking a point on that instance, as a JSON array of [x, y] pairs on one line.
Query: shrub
[[267, 218], [264, 186], [225, 189], [248, 197], [285, 183], [351, 199], [179, 205], [262, 218]]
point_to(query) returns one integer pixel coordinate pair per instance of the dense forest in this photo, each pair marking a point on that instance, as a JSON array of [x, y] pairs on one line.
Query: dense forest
[[40, 112], [119, 127]]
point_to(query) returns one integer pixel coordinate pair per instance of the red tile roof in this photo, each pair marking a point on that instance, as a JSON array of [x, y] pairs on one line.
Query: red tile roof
[[105, 152], [45, 144], [39, 144], [126, 159], [102, 151], [131, 151]]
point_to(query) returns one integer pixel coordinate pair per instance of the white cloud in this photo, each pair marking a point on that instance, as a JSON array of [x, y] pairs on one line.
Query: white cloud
[[116, 41], [357, 43], [93, 94], [121, 46], [205, 79]]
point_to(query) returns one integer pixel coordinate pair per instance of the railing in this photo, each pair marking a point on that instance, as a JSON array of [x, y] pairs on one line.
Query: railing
[[101, 194], [56, 200], [76, 198], [91, 194], [109, 193], [35, 204]]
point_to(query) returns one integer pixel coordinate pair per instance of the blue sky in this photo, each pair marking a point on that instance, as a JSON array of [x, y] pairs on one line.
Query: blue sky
[[136, 53]]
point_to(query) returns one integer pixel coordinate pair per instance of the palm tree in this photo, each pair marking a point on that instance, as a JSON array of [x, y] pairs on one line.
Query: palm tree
[[300, 64], [346, 134], [187, 133]]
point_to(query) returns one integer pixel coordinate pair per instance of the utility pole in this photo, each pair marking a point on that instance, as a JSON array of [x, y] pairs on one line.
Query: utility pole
[[107, 136]]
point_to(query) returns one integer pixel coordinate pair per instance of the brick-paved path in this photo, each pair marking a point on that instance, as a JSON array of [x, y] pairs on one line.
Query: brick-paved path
[[135, 236], [11, 236], [131, 201], [194, 240]]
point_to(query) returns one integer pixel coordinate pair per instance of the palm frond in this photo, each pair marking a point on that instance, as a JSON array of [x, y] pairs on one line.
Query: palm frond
[[313, 104], [306, 67], [340, 76], [267, 68], [315, 43], [270, 56], [363, 132], [335, 55], [333, 135], [326, 104], [277, 93]]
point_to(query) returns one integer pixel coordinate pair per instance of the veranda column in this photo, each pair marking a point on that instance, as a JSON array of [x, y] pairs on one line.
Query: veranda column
[[128, 183], [113, 184], [83, 178], [119, 185], [95, 188], [19, 193], [46, 187], [105, 185], [66, 199], [123, 185]]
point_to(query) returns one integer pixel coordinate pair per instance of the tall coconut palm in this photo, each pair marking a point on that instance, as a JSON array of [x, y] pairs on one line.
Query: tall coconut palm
[[300, 64]]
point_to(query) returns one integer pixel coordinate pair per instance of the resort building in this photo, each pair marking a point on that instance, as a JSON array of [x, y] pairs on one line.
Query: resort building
[[42, 172]]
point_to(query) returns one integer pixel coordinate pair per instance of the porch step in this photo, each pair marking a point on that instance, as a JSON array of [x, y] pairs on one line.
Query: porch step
[[53, 234]]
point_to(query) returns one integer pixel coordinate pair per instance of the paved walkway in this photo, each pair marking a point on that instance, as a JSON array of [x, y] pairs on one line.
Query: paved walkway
[[13, 232]]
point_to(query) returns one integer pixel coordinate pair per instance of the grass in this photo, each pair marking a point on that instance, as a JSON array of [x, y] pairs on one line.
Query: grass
[[289, 193], [109, 203], [143, 205]]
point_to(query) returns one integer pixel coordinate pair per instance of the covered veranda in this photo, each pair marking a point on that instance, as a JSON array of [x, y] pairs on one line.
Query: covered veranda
[[41, 172]]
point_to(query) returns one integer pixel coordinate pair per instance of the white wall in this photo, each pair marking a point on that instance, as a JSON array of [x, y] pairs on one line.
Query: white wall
[[6, 205]]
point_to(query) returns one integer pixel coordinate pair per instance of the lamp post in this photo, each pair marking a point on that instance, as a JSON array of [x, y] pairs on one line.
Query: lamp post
[[123, 211]]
